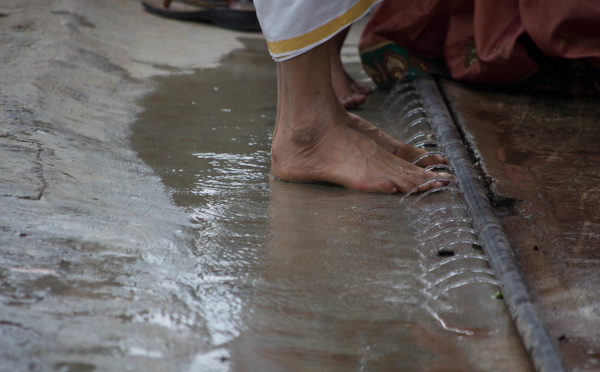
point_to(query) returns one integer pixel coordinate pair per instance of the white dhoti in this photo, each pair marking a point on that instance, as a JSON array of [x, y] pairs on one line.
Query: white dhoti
[[293, 27]]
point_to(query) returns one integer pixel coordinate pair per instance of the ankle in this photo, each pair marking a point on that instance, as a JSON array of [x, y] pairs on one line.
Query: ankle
[[303, 125]]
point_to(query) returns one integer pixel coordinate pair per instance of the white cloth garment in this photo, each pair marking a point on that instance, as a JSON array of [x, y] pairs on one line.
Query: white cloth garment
[[293, 27]]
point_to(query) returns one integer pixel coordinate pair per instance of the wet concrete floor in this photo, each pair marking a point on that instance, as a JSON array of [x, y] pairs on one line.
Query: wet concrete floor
[[297, 277], [185, 255], [540, 158]]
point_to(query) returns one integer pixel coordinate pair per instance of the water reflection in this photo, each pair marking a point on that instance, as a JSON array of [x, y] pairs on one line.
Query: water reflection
[[300, 277], [337, 288], [230, 214]]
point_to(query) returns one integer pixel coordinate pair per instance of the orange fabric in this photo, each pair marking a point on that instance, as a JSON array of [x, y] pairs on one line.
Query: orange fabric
[[563, 28], [482, 40]]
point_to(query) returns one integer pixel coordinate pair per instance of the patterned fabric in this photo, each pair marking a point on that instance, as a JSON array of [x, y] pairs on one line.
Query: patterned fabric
[[550, 45], [293, 27], [388, 63]]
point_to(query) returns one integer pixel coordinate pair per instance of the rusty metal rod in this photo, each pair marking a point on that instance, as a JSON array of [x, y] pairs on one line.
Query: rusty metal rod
[[542, 349]]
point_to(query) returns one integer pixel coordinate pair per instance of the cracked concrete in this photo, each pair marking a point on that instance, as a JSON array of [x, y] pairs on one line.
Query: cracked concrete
[[76, 202], [78, 206]]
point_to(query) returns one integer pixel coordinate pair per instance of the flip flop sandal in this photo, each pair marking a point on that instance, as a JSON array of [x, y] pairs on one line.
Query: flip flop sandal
[[233, 14]]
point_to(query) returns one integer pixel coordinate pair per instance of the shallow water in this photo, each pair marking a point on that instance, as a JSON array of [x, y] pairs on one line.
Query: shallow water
[[300, 277]]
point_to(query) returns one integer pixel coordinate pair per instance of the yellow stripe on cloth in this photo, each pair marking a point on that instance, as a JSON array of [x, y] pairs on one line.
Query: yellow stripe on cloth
[[282, 47]]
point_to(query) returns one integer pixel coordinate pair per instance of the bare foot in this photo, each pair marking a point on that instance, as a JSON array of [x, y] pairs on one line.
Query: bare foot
[[357, 87], [390, 144], [317, 140], [350, 93], [331, 151]]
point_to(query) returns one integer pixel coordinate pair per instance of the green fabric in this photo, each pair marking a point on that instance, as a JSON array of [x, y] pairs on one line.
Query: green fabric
[[389, 64]]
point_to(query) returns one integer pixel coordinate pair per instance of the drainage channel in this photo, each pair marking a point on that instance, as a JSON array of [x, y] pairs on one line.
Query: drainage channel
[[466, 224]]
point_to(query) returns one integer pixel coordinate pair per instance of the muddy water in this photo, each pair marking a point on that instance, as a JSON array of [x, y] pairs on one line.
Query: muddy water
[[297, 277]]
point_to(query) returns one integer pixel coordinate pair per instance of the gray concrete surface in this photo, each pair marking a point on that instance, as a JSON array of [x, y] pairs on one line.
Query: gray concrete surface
[[308, 277], [77, 205], [192, 259], [539, 157], [90, 233]]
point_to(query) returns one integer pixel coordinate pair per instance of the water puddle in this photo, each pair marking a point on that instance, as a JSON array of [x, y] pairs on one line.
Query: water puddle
[[299, 277]]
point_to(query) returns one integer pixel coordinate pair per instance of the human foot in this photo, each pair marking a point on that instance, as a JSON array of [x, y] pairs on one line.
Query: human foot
[[350, 93], [357, 87], [314, 139], [390, 144], [329, 150]]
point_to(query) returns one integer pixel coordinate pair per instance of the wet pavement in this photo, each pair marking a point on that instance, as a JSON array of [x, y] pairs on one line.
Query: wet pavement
[[295, 277], [539, 156], [141, 229]]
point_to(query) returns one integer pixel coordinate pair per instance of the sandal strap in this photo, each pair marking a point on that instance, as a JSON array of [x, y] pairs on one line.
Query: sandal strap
[[246, 5]]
